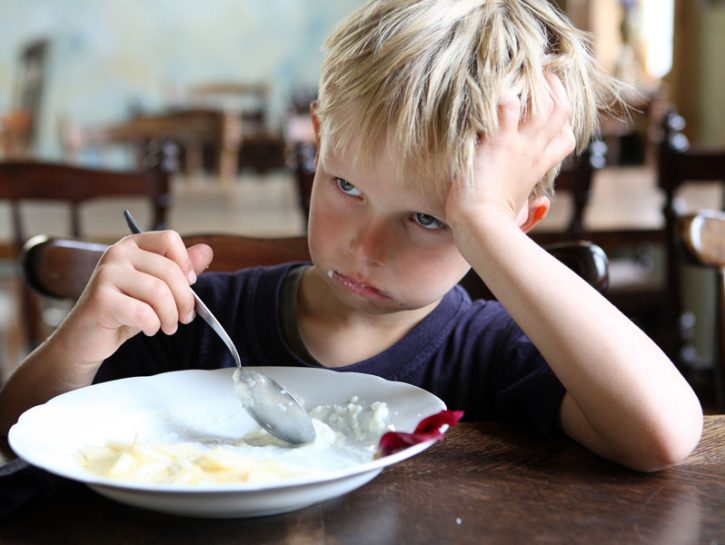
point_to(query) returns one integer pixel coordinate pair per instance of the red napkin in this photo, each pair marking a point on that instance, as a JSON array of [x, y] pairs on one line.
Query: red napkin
[[431, 427]]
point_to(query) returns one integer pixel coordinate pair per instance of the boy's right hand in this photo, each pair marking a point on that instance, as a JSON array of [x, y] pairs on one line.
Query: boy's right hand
[[142, 283]]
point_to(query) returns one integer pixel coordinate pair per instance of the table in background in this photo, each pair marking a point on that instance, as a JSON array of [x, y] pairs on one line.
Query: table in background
[[232, 138], [191, 128], [485, 483]]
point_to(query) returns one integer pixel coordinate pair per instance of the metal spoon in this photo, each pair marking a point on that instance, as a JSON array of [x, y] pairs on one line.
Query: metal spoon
[[266, 401]]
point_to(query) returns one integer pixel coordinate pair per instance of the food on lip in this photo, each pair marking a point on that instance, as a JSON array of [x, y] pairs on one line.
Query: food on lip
[[357, 286], [347, 435]]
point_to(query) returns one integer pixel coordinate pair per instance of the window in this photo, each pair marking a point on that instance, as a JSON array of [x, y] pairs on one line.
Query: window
[[657, 18]]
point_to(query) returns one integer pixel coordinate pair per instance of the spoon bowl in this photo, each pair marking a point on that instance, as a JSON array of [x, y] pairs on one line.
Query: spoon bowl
[[274, 408]]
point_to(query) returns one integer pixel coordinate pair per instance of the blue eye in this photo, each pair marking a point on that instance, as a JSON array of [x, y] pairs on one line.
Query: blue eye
[[347, 188], [427, 221]]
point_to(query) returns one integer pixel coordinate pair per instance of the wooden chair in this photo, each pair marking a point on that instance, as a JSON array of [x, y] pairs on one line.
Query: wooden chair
[[651, 297], [701, 239], [678, 165], [24, 181], [60, 268]]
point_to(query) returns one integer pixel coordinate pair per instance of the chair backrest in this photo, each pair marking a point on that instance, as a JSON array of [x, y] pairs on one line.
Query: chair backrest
[[679, 163], [60, 268], [701, 238], [23, 181]]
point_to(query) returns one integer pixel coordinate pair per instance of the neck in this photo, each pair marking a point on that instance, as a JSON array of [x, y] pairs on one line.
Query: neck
[[337, 335]]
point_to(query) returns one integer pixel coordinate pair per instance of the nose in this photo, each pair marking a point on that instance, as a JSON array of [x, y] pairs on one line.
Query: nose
[[370, 241]]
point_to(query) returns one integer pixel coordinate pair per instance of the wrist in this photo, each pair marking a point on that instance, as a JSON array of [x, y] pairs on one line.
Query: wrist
[[481, 219], [68, 346]]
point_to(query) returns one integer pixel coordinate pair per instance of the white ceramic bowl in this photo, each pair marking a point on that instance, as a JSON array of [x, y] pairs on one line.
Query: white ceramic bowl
[[194, 405]]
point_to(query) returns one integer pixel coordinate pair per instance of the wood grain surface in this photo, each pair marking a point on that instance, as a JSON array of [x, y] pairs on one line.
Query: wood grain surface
[[486, 483]]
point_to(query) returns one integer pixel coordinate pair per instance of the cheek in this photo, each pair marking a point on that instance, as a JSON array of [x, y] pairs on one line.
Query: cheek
[[430, 275], [324, 223]]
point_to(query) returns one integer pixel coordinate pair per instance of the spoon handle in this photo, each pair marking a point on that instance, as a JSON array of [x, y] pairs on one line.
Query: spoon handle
[[201, 309]]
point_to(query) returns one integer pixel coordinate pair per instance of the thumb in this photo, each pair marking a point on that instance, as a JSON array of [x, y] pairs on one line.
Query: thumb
[[200, 256]]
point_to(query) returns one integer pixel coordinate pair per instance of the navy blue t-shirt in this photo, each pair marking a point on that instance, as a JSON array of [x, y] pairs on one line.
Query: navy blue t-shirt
[[471, 354]]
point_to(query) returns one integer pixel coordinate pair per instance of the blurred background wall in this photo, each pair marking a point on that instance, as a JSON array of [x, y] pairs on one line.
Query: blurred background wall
[[680, 41], [702, 95], [111, 57]]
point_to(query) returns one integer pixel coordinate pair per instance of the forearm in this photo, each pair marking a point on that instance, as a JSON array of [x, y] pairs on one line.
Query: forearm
[[628, 392], [48, 371], [140, 284]]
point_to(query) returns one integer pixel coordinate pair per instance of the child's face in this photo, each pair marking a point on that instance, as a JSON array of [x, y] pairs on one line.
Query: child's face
[[380, 244]]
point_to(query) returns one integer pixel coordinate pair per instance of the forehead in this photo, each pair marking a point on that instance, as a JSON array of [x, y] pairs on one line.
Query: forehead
[[381, 160]]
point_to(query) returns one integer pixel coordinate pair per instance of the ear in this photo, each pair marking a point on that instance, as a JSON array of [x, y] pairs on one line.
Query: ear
[[537, 209], [315, 123]]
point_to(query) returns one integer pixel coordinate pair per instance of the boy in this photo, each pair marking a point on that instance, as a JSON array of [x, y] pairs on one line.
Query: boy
[[440, 125]]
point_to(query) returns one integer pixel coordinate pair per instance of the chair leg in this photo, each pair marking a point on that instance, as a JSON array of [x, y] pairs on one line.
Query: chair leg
[[719, 341], [31, 317]]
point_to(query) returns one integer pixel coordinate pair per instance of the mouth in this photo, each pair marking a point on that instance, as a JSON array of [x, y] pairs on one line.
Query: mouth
[[357, 287]]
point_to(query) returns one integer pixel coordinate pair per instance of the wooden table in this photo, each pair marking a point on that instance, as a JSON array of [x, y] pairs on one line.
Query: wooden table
[[192, 128], [486, 483]]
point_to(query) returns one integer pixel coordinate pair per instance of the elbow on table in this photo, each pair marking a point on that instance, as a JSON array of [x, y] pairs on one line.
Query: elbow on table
[[670, 443]]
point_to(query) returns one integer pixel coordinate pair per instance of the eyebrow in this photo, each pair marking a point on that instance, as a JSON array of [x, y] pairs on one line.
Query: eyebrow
[[332, 163]]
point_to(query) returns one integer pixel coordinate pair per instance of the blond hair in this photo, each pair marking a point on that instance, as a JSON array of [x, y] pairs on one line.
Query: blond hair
[[427, 77]]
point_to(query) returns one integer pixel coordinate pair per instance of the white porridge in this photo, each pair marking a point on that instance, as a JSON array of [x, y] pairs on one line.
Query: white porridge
[[347, 435]]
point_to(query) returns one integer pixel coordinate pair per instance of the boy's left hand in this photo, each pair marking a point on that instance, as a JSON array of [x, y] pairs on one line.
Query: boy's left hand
[[510, 161]]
